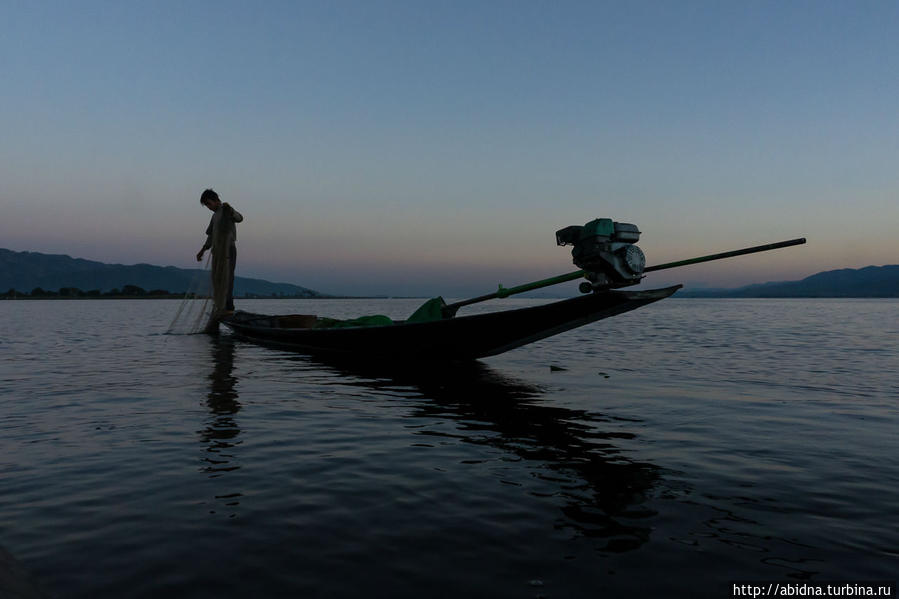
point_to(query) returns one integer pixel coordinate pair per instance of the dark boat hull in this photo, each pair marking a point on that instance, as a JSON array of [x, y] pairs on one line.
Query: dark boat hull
[[464, 337]]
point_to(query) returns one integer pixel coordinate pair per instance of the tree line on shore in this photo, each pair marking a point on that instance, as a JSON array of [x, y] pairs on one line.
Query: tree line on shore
[[74, 292], [126, 292]]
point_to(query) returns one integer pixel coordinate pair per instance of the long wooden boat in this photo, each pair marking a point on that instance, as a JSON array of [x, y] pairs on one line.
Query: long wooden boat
[[604, 250], [461, 337]]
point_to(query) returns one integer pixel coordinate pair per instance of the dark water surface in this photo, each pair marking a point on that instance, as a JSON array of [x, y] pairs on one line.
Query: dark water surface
[[669, 450]]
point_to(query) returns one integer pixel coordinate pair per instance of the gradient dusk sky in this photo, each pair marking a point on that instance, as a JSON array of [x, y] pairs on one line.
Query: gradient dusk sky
[[431, 147]]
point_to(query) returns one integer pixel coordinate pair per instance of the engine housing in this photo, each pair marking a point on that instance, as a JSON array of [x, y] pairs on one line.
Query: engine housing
[[605, 250]]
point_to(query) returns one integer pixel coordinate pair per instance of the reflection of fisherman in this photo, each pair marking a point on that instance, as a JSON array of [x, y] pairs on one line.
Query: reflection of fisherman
[[220, 238], [221, 429]]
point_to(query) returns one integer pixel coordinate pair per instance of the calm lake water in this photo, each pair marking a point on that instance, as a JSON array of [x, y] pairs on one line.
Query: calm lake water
[[670, 450]]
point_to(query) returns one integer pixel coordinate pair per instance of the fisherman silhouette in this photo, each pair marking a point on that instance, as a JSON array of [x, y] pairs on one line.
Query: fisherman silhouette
[[221, 237]]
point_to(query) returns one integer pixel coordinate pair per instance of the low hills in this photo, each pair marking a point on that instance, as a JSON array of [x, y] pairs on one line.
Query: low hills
[[26, 271], [871, 281]]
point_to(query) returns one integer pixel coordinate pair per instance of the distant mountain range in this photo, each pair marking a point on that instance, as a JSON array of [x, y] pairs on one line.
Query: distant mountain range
[[25, 271], [871, 281]]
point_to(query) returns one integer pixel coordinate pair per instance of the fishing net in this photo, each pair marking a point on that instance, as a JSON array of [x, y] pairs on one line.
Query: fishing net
[[222, 244], [196, 308]]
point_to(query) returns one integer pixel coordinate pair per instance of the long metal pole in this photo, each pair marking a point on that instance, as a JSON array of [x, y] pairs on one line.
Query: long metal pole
[[450, 309], [506, 292], [731, 254]]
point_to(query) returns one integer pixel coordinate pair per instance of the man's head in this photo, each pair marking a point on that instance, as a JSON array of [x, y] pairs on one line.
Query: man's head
[[210, 199]]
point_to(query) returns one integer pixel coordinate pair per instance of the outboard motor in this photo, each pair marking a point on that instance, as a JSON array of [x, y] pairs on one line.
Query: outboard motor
[[606, 251]]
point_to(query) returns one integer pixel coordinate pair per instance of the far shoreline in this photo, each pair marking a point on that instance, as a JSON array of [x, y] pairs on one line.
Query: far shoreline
[[416, 297], [182, 297]]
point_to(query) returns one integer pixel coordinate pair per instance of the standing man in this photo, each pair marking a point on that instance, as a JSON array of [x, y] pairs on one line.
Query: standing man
[[221, 235]]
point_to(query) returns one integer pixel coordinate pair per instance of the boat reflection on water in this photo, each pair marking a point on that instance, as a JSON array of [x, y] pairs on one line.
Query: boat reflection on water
[[603, 491], [571, 458]]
